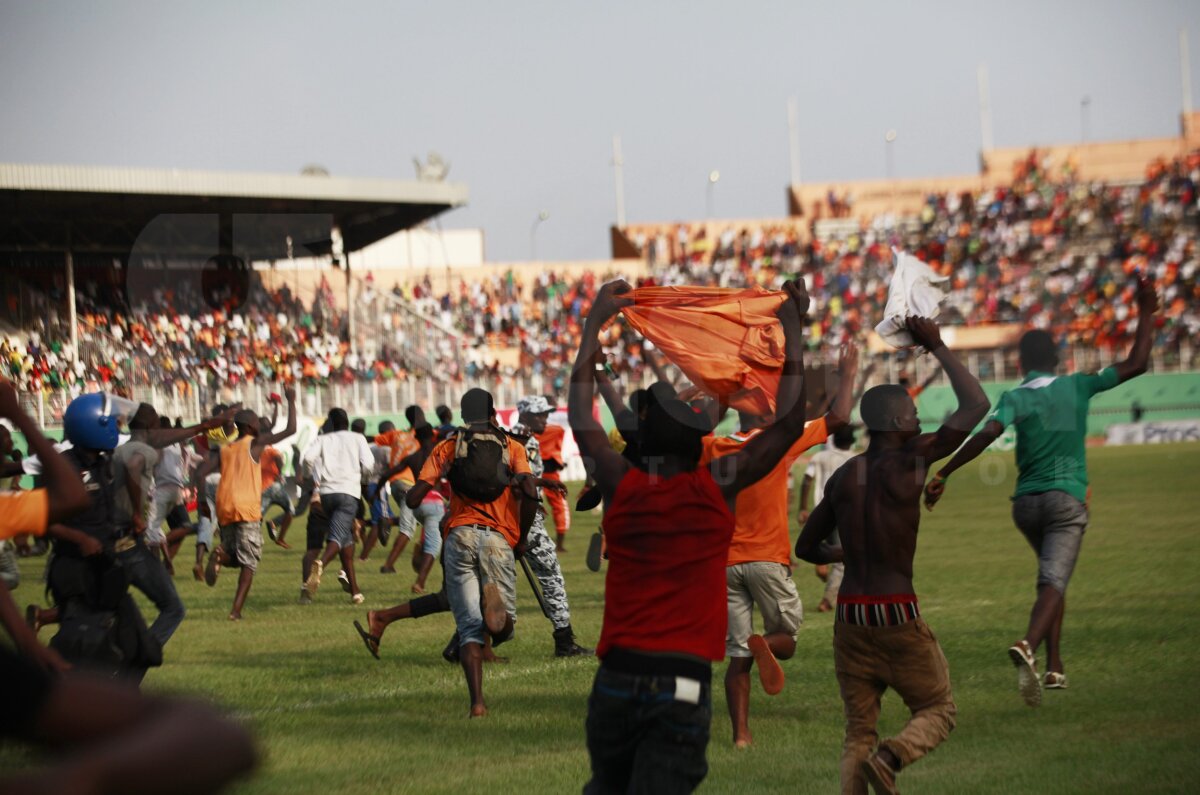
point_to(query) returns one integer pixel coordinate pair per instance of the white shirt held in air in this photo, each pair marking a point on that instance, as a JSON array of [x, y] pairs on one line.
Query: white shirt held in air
[[338, 461]]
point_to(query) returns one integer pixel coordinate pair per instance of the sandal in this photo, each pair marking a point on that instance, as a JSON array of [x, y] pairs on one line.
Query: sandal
[[369, 640]]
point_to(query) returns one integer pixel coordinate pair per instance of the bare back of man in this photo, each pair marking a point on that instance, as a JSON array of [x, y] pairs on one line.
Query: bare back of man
[[880, 641]]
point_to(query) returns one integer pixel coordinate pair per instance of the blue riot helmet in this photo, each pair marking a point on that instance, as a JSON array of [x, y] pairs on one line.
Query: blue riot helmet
[[93, 421]]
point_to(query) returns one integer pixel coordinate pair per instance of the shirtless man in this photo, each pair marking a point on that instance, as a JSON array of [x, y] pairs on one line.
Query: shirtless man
[[880, 640]]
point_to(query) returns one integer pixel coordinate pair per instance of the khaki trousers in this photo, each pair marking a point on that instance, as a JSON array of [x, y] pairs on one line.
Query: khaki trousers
[[906, 658]]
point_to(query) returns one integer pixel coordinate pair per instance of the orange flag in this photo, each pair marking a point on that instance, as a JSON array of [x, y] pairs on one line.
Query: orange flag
[[728, 342]]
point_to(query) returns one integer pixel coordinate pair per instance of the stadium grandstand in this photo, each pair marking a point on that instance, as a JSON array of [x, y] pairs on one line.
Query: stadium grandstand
[[1043, 237]]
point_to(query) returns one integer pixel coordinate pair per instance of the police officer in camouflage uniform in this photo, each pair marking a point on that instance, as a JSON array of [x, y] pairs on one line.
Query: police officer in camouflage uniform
[[532, 413]]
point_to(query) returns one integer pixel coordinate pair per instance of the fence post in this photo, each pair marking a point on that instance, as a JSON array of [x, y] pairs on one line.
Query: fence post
[[375, 397], [41, 408]]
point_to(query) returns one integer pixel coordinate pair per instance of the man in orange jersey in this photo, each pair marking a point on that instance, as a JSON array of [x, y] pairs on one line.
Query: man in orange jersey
[[492, 506], [758, 571], [239, 499]]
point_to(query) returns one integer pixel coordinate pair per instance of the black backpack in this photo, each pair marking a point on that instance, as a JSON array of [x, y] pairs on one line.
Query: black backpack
[[481, 469]]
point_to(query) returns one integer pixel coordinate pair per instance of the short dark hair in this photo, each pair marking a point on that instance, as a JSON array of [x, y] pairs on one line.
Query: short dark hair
[[882, 404], [445, 414], [140, 421], [1038, 351], [476, 405], [387, 425], [220, 407], [164, 422], [843, 437], [339, 420], [411, 412], [359, 425]]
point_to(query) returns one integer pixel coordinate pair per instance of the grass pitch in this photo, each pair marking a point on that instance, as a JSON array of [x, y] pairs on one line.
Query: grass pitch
[[332, 720]]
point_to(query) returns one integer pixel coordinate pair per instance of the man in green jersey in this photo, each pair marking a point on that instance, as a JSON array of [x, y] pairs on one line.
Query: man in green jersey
[[1050, 504]]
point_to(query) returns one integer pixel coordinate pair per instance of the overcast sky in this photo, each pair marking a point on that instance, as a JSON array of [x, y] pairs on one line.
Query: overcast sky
[[523, 98]]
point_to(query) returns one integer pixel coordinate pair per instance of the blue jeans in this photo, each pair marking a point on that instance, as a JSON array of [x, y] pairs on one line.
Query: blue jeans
[[641, 739], [340, 508], [475, 556], [1053, 523], [148, 574]]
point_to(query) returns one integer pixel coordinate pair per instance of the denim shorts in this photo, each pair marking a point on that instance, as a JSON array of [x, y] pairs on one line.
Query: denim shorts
[[381, 510], [276, 494], [1053, 522], [430, 514], [476, 556], [407, 520], [340, 508]]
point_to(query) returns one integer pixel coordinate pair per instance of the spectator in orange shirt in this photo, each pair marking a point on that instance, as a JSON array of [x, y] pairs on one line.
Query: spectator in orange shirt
[[758, 570]]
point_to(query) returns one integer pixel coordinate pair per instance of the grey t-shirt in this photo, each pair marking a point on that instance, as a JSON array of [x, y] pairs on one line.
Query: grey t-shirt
[[122, 508]]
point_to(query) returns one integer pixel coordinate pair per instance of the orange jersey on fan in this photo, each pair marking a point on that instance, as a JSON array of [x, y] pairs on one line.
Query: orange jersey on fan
[[502, 514], [271, 460], [400, 444], [761, 512], [551, 442]]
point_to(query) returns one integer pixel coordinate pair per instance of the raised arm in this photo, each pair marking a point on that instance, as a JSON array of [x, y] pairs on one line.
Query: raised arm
[[839, 412], [289, 430], [605, 465], [612, 398], [1138, 360], [158, 438], [972, 402], [65, 494], [761, 454]]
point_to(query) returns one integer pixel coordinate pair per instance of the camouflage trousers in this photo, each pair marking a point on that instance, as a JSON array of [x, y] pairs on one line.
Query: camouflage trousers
[[543, 562]]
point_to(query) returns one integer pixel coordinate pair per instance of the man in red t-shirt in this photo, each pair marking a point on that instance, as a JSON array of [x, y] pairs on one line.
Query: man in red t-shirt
[[668, 528]]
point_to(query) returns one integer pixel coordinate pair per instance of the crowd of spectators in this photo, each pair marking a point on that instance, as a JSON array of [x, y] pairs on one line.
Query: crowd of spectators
[[1047, 251]]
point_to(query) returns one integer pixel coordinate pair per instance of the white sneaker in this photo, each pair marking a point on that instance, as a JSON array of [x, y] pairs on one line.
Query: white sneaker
[[1028, 682], [344, 579], [1054, 681]]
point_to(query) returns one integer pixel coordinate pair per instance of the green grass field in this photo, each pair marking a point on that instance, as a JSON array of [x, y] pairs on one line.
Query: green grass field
[[331, 719]]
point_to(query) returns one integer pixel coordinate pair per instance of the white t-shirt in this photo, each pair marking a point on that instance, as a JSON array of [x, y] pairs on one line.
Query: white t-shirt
[[822, 466], [338, 461]]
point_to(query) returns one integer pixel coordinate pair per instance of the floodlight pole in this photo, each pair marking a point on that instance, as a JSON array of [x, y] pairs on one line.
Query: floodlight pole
[[619, 177], [1185, 72], [793, 112], [71, 310], [985, 109]]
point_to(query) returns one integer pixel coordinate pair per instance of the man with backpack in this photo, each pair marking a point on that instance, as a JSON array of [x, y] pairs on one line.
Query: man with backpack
[[492, 506]]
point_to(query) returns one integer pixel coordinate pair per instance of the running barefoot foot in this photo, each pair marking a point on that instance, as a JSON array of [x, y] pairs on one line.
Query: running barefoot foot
[[478, 711], [417, 589], [822, 571], [490, 656], [235, 616], [743, 742], [770, 673], [386, 570], [824, 606], [33, 617], [279, 542]]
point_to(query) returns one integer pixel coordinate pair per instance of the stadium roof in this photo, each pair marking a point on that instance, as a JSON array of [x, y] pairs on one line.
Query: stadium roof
[[48, 208]]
